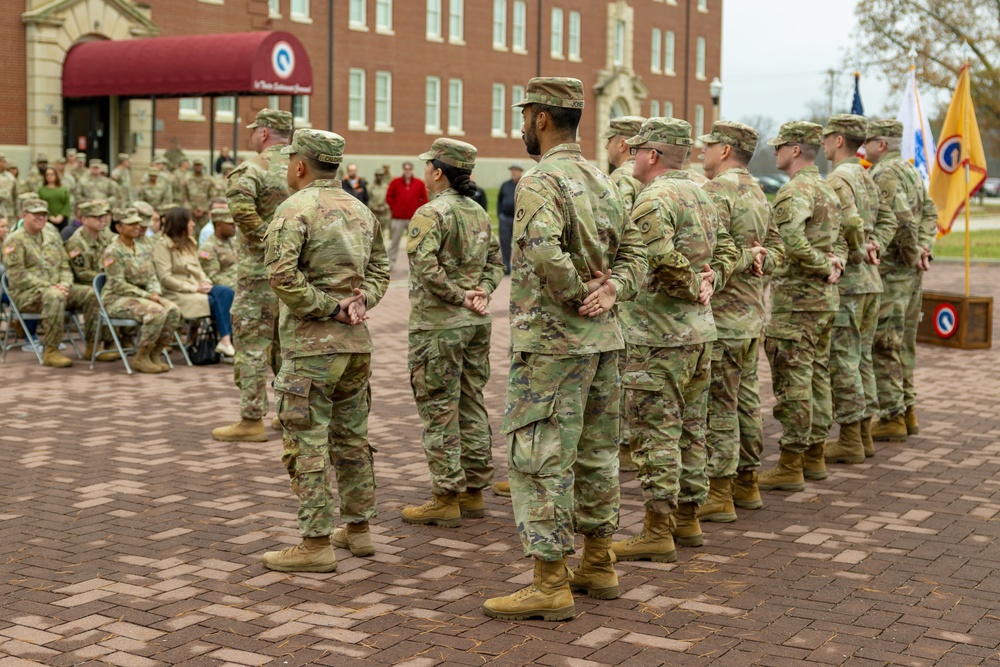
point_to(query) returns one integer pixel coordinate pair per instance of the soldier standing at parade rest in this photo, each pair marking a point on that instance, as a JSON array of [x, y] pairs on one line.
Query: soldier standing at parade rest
[[572, 257], [326, 262], [867, 226], [256, 188], [376, 198], [455, 265], [804, 300], [41, 280], [735, 429]]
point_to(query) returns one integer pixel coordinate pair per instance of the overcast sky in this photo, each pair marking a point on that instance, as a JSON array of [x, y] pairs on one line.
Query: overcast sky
[[775, 54]]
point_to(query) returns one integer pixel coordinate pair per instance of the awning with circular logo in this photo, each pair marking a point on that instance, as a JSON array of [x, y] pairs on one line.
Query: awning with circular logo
[[246, 63]]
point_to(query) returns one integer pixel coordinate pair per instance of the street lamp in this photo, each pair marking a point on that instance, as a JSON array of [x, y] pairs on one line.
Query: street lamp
[[715, 90]]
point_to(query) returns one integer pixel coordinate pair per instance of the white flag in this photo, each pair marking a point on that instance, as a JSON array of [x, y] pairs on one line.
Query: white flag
[[918, 141]]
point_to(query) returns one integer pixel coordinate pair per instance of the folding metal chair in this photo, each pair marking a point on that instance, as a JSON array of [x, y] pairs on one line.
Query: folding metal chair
[[114, 322], [23, 318]]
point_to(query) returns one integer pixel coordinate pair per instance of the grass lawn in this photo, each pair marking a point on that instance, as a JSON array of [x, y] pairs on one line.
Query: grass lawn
[[985, 244]]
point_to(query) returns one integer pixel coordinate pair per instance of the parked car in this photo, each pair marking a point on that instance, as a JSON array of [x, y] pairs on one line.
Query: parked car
[[769, 184], [991, 188]]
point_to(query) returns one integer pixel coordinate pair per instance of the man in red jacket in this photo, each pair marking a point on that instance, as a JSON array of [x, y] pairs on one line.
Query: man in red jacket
[[405, 195]]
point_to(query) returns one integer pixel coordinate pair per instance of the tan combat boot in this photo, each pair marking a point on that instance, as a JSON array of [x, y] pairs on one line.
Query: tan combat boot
[[471, 504], [813, 463], [595, 575], [745, 493], [686, 528], [719, 507], [104, 355], [156, 357], [866, 437], [891, 429], [245, 430], [912, 425], [56, 359], [848, 448], [143, 364], [786, 476], [625, 462], [548, 597], [443, 511], [654, 542], [356, 536], [502, 489], [314, 554], [276, 424]]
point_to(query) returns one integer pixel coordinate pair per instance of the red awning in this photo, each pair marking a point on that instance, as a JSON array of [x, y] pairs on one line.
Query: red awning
[[254, 63]]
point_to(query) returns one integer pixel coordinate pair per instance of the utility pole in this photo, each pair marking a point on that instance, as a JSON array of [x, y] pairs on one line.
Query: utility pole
[[831, 73]]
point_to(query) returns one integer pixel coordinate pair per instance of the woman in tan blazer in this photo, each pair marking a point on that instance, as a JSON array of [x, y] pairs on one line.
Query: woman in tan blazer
[[175, 257]]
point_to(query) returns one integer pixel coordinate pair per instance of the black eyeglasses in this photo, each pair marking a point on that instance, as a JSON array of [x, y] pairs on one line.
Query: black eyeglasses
[[634, 150]]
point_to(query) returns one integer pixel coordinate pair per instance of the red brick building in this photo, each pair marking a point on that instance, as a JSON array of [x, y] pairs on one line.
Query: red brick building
[[404, 71]]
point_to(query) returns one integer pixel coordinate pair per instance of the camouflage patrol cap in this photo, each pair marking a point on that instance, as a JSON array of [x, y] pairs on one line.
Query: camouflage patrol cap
[[847, 124], [129, 216], [732, 133], [798, 132], [452, 152], [124, 156], [41, 157], [145, 209], [228, 165], [197, 161], [35, 205], [884, 128], [663, 131], [554, 91], [318, 145], [60, 160], [96, 162], [95, 208], [626, 126], [159, 160], [274, 119], [153, 172], [222, 215], [70, 152], [167, 207], [3, 158], [26, 196]]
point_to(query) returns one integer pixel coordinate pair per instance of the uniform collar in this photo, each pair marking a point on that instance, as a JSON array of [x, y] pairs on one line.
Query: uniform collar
[[561, 148], [324, 183]]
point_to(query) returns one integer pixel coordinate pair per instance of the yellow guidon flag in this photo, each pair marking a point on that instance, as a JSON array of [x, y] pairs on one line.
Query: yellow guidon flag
[[960, 164]]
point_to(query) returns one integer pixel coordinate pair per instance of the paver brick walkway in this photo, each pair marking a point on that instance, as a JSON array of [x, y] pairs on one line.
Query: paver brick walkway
[[129, 537]]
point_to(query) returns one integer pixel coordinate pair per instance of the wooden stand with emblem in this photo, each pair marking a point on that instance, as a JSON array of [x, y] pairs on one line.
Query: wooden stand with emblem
[[953, 320]]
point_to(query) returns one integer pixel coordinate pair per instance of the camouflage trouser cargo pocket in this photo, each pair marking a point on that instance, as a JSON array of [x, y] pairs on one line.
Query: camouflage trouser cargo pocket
[[426, 383], [292, 394]]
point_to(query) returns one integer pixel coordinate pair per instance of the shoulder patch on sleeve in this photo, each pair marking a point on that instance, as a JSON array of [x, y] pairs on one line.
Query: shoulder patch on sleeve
[[204, 254], [108, 261], [526, 204], [645, 217], [9, 249], [419, 226], [75, 252]]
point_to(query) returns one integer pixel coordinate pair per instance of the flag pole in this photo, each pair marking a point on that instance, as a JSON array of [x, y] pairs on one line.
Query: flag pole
[[968, 231]]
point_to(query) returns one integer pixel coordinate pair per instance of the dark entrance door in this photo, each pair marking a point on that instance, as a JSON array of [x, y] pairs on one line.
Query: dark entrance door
[[88, 127]]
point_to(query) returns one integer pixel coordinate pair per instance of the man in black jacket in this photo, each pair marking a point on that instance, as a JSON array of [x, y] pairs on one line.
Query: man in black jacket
[[505, 212]]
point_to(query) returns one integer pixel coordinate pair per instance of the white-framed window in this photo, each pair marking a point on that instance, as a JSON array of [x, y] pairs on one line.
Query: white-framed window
[[432, 106], [300, 111], [519, 40], [499, 24], [516, 95], [300, 11], [455, 106], [699, 120], [357, 16], [356, 100], [456, 21], [383, 101], [499, 111], [383, 16], [574, 35], [654, 108], [703, 6], [668, 109], [699, 67], [434, 20], [655, 51], [668, 52], [225, 109], [189, 108], [557, 32], [273, 102], [273, 9], [619, 43]]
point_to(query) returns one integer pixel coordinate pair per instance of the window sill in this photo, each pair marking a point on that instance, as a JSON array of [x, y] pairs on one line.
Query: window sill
[[212, 2], [302, 19], [437, 39], [358, 27], [388, 32], [701, 77], [499, 47], [299, 123], [384, 128], [498, 134], [700, 10], [191, 117], [274, 17], [227, 118], [669, 72], [655, 70], [456, 41], [557, 56], [519, 51], [357, 127], [432, 130], [575, 59], [455, 132]]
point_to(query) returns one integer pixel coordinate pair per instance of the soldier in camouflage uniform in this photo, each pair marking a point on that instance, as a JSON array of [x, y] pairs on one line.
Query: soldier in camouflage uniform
[[572, 257], [133, 292], [155, 190], [122, 176], [735, 429], [902, 264], [74, 165], [804, 301], [256, 188], [41, 280], [866, 227], [199, 189], [455, 265], [8, 193], [218, 253], [85, 249], [619, 130], [327, 263], [376, 197], [35, 178], [95, 186], [668, 334]]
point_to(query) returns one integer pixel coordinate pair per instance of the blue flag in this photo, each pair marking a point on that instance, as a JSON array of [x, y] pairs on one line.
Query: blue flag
[[856, 106]]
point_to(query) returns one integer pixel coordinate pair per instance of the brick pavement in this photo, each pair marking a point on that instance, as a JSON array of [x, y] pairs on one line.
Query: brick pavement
[[128, 537]]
